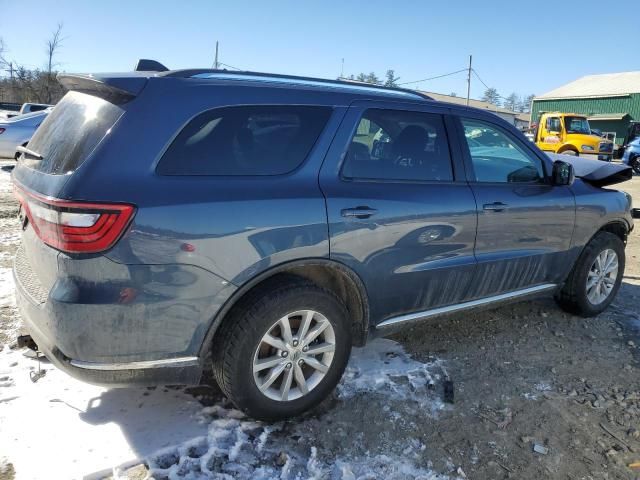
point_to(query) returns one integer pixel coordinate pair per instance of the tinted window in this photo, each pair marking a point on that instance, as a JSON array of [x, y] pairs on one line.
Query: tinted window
[[250, 140], [399, 145], [496, 157], [71, 132]]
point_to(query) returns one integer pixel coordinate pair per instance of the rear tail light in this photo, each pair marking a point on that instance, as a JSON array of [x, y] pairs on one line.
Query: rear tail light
[[2, 130], [75, 227]]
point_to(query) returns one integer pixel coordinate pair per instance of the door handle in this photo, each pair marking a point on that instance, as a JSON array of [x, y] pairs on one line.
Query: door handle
[[358, 212], [495, 206]]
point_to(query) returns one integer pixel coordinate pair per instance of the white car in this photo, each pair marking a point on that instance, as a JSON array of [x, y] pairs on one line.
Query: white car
[[18, 130]]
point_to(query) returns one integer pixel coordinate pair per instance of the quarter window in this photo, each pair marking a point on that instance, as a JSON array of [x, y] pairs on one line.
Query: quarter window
[[496, 157], [399, 145], [246, 140]]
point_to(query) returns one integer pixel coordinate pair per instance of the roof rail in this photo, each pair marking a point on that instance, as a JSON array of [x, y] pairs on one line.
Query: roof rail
[[200, 71]]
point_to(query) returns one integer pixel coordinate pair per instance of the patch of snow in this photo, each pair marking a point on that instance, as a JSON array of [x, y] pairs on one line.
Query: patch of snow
[[75, 430], [62, 428], [10, 320], [539, 388], [384, 367], [9, 231]]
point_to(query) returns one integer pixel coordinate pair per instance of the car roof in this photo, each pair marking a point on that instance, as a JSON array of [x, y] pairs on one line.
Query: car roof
[[298, 82], [133, 82]]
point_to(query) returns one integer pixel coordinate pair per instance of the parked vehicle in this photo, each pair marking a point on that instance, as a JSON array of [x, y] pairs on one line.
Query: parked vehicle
[[28, 108], [33, 107], [260, 225], [570, 134], [8, 109], [633, 132], [17, 131], [631, 155]]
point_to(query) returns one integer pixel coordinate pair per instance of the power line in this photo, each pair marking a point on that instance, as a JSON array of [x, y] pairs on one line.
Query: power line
[[478, 77], [433, 78]]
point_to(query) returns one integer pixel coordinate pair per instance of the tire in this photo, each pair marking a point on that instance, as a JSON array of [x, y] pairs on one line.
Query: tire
[[634, 162], [573, 153], [575, 297], [240, 347]]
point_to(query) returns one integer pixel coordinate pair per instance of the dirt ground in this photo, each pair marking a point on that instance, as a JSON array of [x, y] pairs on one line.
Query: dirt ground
[[525, 375], [531, 374]]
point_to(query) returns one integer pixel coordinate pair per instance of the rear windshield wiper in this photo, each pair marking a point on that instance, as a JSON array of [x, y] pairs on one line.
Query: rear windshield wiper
[[28, 151]]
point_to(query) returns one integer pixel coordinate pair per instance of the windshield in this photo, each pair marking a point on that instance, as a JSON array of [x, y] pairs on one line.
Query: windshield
[[70, 133], [577, 125]]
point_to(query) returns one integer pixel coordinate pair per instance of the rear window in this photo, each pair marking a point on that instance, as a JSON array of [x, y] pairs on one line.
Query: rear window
[[71, 132], [245, 140]]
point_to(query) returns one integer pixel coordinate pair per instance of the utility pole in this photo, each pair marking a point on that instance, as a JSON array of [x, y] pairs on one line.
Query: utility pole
[[469, 80], [342, 69], [216, 64]]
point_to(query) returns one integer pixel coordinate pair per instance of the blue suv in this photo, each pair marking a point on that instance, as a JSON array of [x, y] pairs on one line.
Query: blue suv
[[260, 225]]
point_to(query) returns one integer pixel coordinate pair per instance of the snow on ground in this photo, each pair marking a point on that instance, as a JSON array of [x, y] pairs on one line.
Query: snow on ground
[[62, 428]]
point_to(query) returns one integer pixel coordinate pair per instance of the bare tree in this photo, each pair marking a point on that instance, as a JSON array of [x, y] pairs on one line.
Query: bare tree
[[3, 60], [53, 45]]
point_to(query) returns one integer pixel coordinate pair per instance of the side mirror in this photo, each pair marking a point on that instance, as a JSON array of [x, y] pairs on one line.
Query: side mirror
[[563, 173]]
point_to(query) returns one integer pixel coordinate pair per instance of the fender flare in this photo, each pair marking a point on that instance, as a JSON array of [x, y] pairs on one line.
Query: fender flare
[[242, 290]]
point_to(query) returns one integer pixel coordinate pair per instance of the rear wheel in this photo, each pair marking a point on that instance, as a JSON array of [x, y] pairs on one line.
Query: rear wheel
[[283, 351], [596, 276]]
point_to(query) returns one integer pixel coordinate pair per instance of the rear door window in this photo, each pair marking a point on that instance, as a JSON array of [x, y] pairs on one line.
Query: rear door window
[[70, 133], [397, 145], [245, 140]]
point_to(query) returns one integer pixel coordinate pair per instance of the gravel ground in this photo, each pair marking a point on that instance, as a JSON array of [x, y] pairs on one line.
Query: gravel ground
[[525, 375]]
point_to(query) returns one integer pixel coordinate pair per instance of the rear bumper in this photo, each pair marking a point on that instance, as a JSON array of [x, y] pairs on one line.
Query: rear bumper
[[163, 372], [80, 321]]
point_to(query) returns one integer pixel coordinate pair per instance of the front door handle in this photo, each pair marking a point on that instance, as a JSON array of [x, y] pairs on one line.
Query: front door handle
[[495, 206], [358, 212]]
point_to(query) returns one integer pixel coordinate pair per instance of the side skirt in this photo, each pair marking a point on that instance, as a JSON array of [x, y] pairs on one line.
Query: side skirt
[[521, 294]]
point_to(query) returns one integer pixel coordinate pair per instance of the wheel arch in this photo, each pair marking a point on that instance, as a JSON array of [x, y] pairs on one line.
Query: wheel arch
[[618, 227], [329, 274], [568, 146]]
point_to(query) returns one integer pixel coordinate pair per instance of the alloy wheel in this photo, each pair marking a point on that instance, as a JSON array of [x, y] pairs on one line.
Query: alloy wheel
[[294, 355], [602, 276]]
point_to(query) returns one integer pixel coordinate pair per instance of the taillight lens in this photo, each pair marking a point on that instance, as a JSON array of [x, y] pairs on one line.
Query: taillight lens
[[75, 227], [2, 129]]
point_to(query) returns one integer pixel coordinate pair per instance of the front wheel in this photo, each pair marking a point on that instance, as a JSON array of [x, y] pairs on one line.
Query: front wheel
[[572, 153], [635, 164], [283, 351], [596, 276]]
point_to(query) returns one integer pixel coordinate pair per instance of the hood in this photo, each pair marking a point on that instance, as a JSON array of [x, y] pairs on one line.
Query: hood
[[596, 172]]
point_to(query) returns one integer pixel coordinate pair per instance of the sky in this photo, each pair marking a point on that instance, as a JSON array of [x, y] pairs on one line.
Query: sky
[[517, 46]]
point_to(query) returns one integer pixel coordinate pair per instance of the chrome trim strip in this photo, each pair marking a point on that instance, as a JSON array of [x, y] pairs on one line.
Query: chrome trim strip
[[466, 305], [167, 362]]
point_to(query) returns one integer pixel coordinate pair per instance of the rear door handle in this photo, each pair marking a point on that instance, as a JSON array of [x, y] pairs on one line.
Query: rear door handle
[[495, 206], [358, 212]]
